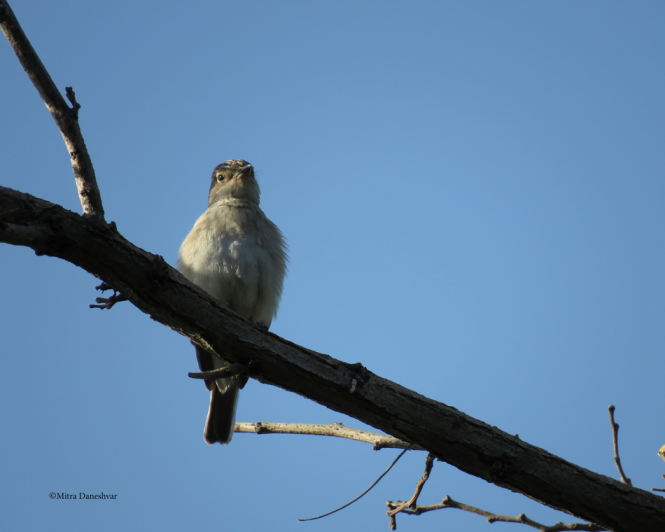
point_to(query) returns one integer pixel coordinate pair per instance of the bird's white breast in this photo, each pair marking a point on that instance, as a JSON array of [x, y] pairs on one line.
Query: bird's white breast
[[238, 256]]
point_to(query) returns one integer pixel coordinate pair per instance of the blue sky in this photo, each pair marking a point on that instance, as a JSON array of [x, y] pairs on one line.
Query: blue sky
[[472, 194]]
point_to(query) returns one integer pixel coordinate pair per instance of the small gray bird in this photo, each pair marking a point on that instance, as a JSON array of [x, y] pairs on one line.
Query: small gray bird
[[238, 256]]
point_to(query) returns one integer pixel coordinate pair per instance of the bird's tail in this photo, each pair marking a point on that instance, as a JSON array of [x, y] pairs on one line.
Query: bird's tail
[[222, 412]]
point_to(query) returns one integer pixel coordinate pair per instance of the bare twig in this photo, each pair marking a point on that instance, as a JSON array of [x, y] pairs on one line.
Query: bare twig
[[228, 371], [71, 96], [615, 441], [658, 489], [411, 507], [413, 501], [362, 494], [379, 441], [65, 117], [494, 518]]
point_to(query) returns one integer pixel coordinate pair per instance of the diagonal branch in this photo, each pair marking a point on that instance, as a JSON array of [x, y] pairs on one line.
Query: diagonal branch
[[65, 117], [465, 442]]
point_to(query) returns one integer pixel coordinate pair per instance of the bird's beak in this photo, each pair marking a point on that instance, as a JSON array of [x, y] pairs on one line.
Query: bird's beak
[[244, 171]]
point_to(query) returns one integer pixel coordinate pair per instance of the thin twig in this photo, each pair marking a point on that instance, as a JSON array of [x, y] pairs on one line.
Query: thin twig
[[493, 518], [412, 503], [71, 96], [65, 117], [362, 494], [379, 441], [411, 508], [659, 489], [615, 441]]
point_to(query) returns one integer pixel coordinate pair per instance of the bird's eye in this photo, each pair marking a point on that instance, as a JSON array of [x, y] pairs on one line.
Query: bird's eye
[[220, 177]]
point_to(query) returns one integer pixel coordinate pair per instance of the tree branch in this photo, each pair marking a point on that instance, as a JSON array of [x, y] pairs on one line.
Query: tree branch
[[412, 503], [379, 441], [65, 117], [615, 443], [467, 443], [495, 518], [411, 507]]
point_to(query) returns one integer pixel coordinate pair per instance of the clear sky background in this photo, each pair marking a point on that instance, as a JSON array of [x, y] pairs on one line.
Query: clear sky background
[[473, 196]]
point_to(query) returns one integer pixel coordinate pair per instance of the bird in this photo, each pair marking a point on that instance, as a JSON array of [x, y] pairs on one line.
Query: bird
[[237, 255]]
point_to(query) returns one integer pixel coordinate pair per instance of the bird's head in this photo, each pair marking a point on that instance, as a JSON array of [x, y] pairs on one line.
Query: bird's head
[[234, 179]]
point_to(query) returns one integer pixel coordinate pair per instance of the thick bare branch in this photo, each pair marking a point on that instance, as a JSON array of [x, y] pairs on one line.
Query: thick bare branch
[[467, 443], [65, 117], [379, 441]]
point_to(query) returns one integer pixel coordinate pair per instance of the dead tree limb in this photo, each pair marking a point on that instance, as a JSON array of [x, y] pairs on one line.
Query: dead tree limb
[[65, 117], [467, 443]]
